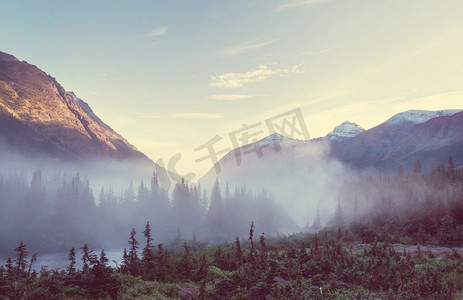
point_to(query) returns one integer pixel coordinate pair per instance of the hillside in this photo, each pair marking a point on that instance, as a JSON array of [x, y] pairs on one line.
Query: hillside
[[38, 117]]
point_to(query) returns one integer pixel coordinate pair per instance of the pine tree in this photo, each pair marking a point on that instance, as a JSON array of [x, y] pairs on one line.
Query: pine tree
[[202, 271], [72, 260], [161, 270], [263, 251], [125, 262], [147, 250], [147, 255], [85, 260], [219, 259], [21, 259], [252, 249], [238, 254], [185, 263], [101, 267], [88, 258], [10, 272], [133, 255]]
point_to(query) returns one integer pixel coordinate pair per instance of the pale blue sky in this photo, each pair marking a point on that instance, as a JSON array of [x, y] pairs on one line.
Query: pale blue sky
[[170, 75]]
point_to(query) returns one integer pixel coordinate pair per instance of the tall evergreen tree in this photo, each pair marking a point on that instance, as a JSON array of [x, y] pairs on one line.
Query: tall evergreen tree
[[238, 254], [133, 259], [101, 267], [147, 250], [252, 248], [21, 258], [10, 271], [88, 258], [147, 254], [72, 261], [31, 263]]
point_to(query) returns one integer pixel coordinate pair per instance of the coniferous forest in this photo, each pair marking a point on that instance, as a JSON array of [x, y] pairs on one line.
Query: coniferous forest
[[400, 244], [46, 200], [242, 150]]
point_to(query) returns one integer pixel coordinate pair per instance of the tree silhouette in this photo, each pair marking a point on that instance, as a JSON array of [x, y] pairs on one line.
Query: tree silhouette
[[72, 261]]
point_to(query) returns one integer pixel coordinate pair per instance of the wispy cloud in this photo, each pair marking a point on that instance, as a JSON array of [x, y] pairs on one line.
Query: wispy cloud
[[230, 97], [239, 80], [157, 31], [204, 116], [293, 4], [247, 47]]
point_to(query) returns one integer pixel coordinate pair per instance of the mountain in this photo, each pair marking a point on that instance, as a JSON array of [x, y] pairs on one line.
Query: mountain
[[428, 136], [410, 117], [38, 117], [345, 130], [304, 175]]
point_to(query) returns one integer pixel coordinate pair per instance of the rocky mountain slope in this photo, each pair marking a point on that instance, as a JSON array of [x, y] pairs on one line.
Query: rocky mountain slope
[[38, 117]]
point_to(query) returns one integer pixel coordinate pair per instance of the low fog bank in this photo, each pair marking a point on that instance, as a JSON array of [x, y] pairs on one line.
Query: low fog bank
[[53, 207], [317, 191], [101, 172], [304, 180]]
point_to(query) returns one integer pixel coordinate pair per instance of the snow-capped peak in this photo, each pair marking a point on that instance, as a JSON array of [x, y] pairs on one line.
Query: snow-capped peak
[[419, 116], [345, 130]]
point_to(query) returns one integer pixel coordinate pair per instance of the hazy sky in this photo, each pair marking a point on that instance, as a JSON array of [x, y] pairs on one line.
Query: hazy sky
[[171, 75]]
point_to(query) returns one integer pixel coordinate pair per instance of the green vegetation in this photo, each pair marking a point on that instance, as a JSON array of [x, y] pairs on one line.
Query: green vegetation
[[303, 266]]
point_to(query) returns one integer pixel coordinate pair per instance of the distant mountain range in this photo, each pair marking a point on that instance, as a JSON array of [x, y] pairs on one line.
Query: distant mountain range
[[39, 118], [306, 174], [427, 136]]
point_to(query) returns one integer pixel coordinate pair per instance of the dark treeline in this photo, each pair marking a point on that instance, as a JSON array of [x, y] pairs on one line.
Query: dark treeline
[[54, 212]]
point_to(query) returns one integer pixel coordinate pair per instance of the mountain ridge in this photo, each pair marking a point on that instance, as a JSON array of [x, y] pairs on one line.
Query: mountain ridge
[[38, 116], [387, 145], [384, 147], [419, 116]]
